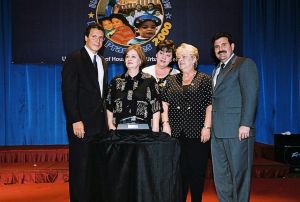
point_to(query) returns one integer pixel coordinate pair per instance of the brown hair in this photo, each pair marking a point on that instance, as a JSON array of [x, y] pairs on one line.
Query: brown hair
[[140, 53], [93, 26], [167, 45]]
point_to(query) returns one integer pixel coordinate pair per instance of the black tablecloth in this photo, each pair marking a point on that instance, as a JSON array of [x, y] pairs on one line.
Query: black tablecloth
[[139, 167]]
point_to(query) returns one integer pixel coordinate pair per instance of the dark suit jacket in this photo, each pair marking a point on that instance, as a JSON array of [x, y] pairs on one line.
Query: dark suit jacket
[[234, 99], [81, 93]]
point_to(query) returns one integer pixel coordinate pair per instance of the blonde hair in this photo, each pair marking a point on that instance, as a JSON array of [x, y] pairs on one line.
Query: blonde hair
[[190, 49]]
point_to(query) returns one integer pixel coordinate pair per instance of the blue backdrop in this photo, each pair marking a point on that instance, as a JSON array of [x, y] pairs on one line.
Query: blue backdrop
[[30, 95], [54, 29]]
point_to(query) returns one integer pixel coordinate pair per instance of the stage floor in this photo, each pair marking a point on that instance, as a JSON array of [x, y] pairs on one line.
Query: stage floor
[[40, 173], [263, 190]]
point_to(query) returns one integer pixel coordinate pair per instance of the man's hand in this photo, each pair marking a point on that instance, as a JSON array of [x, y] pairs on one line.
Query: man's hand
[[244, 132], [78, 129]]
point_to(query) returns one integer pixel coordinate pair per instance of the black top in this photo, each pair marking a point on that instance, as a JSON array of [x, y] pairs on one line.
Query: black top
[[138, 96], [162, 81], [187, 104]]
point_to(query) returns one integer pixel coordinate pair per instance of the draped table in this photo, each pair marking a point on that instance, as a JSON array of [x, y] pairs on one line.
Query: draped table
[[136, 167]]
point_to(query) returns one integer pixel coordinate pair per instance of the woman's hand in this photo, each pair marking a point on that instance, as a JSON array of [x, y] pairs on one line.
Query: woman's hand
[[112, 127], [155, 122], [165, 118], [205, 134], [166, 128], [110, 122]]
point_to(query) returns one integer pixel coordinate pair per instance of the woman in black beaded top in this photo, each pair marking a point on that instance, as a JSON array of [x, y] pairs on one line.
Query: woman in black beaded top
[[187, 116], [133, 93]]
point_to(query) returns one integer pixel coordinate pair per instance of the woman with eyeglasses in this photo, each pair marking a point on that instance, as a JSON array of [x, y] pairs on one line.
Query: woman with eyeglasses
[[187, 117]]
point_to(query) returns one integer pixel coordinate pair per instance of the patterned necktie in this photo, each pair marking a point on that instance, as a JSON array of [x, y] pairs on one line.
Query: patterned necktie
[[221, 70], [218, 72]]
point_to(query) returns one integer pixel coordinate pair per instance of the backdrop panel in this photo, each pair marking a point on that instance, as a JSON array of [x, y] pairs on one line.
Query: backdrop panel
[[47, 32], [30, 96]]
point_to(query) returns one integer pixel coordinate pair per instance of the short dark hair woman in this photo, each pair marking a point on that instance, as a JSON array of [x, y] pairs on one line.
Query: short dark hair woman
[[165, 52]]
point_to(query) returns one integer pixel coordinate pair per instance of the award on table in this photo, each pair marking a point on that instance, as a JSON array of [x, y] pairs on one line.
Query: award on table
[[133, 123]]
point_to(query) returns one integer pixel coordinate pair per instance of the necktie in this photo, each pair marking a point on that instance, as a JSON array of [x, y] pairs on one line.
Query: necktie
[[222, 65], [95, 61], [218, 72], [100, 76], [221, 70]]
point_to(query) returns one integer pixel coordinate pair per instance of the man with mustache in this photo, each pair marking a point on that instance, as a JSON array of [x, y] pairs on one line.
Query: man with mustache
[[234, 103]]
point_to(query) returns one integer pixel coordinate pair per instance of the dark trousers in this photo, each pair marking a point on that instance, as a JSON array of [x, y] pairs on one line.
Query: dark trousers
[[193, 163], [78, 161], [83, 180]]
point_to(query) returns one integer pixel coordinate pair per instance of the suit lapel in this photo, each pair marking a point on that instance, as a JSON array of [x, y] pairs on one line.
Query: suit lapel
[[223, 73], [92, 71]]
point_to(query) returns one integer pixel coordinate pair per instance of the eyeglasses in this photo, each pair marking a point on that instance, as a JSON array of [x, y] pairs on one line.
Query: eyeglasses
[[96, 38]]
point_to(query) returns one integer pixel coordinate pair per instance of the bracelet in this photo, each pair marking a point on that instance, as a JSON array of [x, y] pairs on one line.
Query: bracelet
[[207, 127]]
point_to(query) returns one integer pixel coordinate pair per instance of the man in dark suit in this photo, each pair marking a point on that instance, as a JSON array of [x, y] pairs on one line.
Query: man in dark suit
[[234, 103], [84, 83]]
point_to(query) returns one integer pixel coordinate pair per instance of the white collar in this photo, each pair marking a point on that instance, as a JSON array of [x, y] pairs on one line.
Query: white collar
[[225, 63], [91, 54]]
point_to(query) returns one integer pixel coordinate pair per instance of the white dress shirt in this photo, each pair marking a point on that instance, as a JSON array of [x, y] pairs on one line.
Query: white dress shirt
[[219, 69], [99, 67]]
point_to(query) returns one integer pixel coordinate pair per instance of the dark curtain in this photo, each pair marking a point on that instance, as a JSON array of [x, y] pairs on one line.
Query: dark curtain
[[5, 54], [30, 95], [272, 39]]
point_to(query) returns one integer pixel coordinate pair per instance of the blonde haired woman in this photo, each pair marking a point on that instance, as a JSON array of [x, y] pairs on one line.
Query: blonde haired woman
[[187, 116]]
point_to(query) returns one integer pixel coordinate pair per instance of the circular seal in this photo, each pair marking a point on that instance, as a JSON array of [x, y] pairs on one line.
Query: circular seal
[[128, 22]]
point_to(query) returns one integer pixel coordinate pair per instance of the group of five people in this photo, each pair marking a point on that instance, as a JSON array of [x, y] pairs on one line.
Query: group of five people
[[186, 104]]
